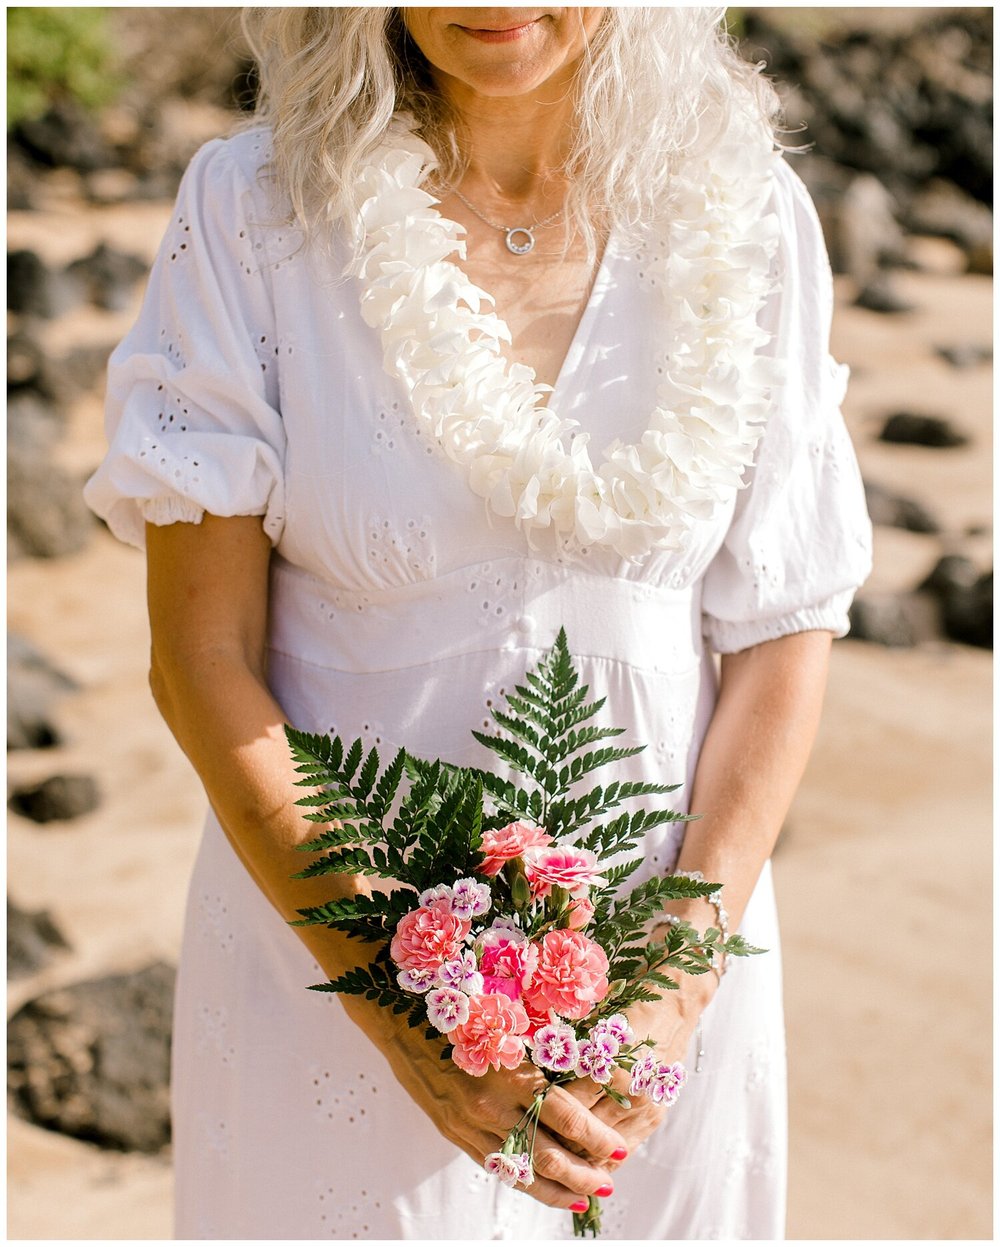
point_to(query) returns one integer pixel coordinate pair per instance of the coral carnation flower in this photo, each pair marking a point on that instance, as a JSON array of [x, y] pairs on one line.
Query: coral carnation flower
[[428, 937], [492, 1035], [571, 975], [500, 846]]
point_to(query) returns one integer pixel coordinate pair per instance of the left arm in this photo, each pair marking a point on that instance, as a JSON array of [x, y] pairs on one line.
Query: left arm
[[752, 760]]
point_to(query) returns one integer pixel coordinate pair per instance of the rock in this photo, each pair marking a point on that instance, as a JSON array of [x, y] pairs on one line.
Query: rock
[[46, 515], [950, 572], [60, 797], [968, 613], [25, 364], [909, 428], [33, 940], [868, 230], [35, 290], [52, 382], [108, 276], [898, 621], [946, 211], [965, 597], [898, 511], [966, 354], [880, 296], [66, 136], [92, 1060], [33, 685]]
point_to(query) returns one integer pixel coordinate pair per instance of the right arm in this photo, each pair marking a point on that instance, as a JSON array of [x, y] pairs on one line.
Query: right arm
[[207, 594]]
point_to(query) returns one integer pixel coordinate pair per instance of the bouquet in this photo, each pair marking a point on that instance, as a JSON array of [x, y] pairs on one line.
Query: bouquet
[[509, 935]]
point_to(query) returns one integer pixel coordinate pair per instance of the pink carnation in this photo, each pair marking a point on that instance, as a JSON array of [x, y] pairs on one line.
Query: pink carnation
[[561, 866], [571, 975], [492, 1035], [428, 937], [507, 964], [499, 846]]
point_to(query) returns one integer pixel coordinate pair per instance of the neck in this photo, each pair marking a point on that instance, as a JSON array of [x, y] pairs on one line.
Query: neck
[[515, 148]]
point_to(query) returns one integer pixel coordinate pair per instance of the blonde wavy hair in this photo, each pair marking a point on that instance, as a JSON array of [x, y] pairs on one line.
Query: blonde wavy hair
[[654, 84]]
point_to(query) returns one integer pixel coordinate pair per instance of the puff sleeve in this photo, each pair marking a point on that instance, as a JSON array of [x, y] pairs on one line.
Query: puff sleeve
[[799, 543], [192, 415]]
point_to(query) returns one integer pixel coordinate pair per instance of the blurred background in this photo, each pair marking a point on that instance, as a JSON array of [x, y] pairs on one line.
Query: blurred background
[[884, 866]]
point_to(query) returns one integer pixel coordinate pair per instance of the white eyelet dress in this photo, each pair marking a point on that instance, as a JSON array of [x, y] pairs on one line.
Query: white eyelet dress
[[402, 611]]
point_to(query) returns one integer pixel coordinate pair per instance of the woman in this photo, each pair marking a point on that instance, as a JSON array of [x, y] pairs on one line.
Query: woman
[[367, 513]]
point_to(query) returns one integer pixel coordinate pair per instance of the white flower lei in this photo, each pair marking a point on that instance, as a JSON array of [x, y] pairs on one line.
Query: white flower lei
[[441, 337]]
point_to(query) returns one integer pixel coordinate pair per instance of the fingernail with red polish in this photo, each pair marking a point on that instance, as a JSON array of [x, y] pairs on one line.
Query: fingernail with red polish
[[581, 1205], [619, 1153], [606, 1189]]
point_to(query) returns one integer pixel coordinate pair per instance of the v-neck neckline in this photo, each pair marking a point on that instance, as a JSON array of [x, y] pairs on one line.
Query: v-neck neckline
[[576, 350]]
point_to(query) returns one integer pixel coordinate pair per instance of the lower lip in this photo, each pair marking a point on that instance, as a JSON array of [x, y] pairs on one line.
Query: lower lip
[[499, 36]]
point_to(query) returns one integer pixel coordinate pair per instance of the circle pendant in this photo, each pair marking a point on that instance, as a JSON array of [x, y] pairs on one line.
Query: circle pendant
[[520, 240]]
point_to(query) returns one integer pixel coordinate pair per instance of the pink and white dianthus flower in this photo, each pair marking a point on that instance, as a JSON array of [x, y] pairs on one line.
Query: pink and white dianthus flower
[[554, 1047], [594, 1060], [429, 936], [563, 866], [501, 845], [440, 892], [571, 976], [470, 898], [417, 980], [510, 1169], [507, 962], [492, 1035], [447, 1008], [666, 1082], [461, 973], [617, 1025], [642, 1073]]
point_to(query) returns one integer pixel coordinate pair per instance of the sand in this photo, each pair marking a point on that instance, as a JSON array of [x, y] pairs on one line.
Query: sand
[[883, 869]]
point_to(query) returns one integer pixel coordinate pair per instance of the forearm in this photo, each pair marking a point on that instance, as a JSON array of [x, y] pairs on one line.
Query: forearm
[[232, 730], [751, 762]]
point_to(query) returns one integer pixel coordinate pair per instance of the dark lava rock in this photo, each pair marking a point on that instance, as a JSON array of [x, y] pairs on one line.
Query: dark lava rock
[[33, 685], [46, 515], [108, 276], [33, 289], [33, 939], [968, 613], [898, 621], [60, 797], [879, 295], [25, 364], [965, 354], [965, 597], [912, 429], [66, 136], [944, 210], [93, 1060], [897, 511], [950, 572]]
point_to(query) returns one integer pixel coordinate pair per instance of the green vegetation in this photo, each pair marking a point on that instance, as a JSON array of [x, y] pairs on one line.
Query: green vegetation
[[58, 54]]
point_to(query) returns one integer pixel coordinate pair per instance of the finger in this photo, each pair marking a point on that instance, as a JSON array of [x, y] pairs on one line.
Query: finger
[[575, 1175], [565, 1116], [542, 1188]]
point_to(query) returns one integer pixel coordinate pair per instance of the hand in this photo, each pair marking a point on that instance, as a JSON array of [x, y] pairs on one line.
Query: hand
[[572, 1148], [669, 1023]]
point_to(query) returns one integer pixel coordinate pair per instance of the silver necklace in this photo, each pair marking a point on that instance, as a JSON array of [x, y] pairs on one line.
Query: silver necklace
[[520, 239]]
